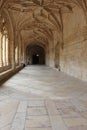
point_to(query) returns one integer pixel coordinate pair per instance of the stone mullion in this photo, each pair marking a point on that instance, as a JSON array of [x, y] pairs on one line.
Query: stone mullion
[[5, 51], [2, 51], [16, 49], [3, 46], [15, 45], [13, 54], [18, 54], [9, 53]]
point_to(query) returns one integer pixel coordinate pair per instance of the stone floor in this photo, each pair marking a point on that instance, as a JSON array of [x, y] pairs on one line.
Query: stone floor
[[41, 98]]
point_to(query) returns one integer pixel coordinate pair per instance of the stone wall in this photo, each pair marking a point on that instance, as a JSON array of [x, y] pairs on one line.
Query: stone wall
[[73, 57]]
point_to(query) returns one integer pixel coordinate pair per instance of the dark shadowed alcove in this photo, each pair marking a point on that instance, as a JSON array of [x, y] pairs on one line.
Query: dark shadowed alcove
[[35, 55]]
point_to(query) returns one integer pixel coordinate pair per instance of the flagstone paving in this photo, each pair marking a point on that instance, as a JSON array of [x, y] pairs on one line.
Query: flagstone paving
[[42, 98]]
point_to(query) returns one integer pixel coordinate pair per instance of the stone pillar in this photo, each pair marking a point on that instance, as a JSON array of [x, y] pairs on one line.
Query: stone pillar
[[13, 54]]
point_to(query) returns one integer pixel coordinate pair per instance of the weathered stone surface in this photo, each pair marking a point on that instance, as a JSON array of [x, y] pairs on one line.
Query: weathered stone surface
[[44, 32], [61, 105]]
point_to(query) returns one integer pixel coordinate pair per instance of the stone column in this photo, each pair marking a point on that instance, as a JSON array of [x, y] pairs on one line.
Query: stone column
[[12, 54]]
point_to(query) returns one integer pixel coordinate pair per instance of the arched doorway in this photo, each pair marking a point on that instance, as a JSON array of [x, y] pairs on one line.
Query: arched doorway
[[35, 55], [35, 59]]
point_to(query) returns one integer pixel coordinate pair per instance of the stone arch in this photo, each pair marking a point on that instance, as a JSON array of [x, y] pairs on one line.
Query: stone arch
[[10, 29], [35, 54], [9, 24], [9, 40]]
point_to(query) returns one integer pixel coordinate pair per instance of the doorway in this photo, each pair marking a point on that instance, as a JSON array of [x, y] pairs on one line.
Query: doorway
[[35, 59], [35, 55]]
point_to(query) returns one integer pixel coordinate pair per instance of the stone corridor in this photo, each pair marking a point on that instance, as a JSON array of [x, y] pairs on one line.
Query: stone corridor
[[41, 98]]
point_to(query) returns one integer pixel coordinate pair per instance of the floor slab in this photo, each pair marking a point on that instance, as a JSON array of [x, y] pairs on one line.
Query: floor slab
[[42, 98]]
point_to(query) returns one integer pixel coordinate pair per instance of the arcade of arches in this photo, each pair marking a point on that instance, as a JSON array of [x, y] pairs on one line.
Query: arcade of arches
[[58, 26], [47, 40]]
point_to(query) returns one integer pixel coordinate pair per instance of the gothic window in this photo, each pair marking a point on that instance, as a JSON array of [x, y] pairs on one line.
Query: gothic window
[[16, 55], [4, 45]]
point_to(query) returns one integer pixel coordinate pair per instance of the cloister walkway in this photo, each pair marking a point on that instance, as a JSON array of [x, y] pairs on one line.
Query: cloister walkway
[[42, 98]]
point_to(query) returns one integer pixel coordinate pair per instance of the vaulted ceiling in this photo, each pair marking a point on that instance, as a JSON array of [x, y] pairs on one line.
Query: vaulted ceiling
[[39, 19]]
